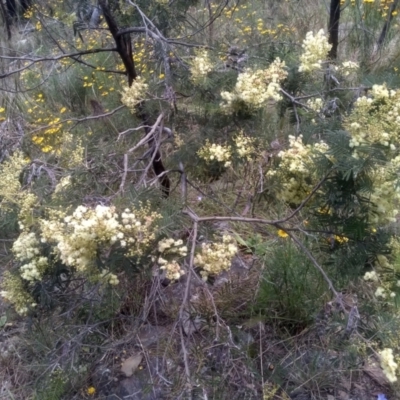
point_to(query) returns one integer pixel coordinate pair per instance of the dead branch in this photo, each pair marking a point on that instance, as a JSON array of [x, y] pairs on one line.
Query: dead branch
[[124, 49], [185, 301], [35, 60], [121, 186]]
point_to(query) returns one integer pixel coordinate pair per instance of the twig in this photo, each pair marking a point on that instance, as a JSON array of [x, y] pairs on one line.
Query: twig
[[277, 225], [78, 120], [155, 144], [121, 186], [294, 101], [55, 58], [183, 184], [148, 136], [185, 302], [275, 222], [297, 119], [186, 361]]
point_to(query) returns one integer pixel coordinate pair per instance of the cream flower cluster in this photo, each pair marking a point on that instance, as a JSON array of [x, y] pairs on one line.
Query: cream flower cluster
[[385, 196], [108, 277], [132, 96], [26, 249], [216, 152], [173, 270], [77, 240], [245, 146], [138, 229], [26, 246], [14, 292], [170, 251], [10, 186], [27, 203], [216, 257], [72, 151], [63, 184], [380, 292], [172, 246], [79, 237], [315, 104], [371, 276], [375, 119], [254, 88], [348, 67], [294, 169], [316, 49], [382, 92], [388, 364], [251, 88], [200, 66], [33, 271]]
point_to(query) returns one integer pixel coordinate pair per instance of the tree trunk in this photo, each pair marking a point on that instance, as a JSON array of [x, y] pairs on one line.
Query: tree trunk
[[11, 9], [6, 19], [386, 27], [333, 29], [124, 49]]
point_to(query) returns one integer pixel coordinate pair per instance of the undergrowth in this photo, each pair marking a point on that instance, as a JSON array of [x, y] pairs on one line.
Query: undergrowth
[[197, 203]]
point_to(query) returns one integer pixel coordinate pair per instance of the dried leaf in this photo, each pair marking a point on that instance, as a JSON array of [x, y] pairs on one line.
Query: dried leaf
[[374, 371], [343, 395], [3, 320], [130, 365], [190, 324]]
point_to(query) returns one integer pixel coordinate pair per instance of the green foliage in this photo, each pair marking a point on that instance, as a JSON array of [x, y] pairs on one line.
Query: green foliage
[[290, 288], [54, 387]]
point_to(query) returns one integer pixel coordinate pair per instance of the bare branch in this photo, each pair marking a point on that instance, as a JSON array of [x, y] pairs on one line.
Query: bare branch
[[294, 100], [79, 120], [186, 300], [148, 136], [121, 186], [35, 60], [386, 27], [261, 220], [6, 19]]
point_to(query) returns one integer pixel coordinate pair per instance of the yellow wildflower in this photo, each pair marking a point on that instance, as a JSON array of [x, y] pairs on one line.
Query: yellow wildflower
[[47, 149], [282, 233], [91, 391], [341, 239]]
